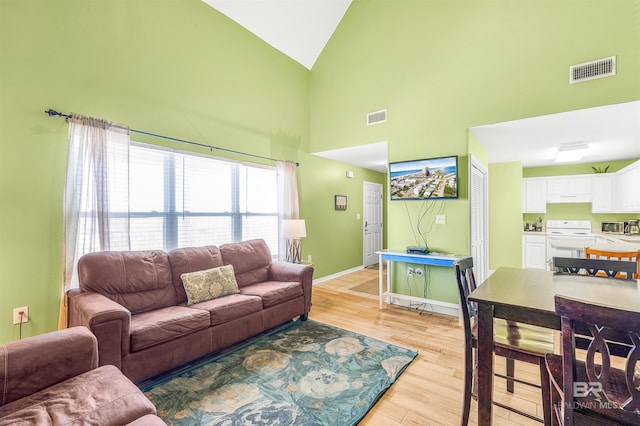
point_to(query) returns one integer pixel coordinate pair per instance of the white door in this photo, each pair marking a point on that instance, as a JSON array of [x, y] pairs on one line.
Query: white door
[[478, 200], [372, 221]]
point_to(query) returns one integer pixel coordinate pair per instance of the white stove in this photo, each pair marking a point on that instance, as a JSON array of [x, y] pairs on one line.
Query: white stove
[[568, 238], [569, 228]]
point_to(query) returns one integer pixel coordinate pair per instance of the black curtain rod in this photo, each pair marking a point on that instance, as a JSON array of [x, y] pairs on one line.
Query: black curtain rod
[[54, 113]]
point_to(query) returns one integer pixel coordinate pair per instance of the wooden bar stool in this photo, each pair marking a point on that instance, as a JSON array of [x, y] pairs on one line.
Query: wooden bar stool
[[620, 269], [630, 256], [513, 341], [599, 389]]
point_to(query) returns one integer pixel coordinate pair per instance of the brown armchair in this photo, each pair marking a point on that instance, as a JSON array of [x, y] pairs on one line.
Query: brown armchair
[[54, 378]]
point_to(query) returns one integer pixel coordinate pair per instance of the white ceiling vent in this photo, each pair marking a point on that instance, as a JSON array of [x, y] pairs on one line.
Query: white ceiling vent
[[605, 67], [377, 117]]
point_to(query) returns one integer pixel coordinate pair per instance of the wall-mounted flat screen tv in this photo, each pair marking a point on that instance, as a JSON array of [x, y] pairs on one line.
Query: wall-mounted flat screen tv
[[428, 179]]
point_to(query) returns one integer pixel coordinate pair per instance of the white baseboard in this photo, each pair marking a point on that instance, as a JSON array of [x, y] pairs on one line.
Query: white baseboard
[[427, 305], [434, 306], [338, 274]]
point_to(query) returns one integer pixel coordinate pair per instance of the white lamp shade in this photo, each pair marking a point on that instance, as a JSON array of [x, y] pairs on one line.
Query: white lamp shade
[[294, 228]]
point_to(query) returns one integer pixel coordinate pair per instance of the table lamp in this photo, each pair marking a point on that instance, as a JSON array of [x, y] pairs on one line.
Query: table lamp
[[292, 231]]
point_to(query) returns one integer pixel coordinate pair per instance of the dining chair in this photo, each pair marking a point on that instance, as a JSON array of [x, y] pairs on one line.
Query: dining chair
[[614, 269], [629, 256], [592, 388], [596, 267], [513, 341]]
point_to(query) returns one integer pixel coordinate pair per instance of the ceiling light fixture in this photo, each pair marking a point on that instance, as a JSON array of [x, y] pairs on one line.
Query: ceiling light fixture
[[571, 152]]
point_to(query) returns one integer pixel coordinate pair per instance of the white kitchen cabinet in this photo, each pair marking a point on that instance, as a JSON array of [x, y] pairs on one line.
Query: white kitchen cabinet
[[569, 189], [626, 187], [534, 251], [602, 193], [534, 194], [617, 192]]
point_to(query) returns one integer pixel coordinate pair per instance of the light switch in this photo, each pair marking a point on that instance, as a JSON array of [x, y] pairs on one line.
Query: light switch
[[441, 219], [358, 216]]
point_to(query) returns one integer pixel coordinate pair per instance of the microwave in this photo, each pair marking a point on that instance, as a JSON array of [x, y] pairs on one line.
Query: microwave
[[613, 227]]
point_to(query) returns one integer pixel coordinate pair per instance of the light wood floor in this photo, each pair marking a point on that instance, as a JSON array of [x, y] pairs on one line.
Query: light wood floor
[[429, 392]]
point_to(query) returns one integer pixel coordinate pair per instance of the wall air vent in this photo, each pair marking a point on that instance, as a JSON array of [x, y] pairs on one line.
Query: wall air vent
[[377, 117], [605, 67]]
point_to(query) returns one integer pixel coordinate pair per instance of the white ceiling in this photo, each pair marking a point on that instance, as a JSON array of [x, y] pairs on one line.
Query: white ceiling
[[372, 156], [301, 29], [612, 132], [298, 28]]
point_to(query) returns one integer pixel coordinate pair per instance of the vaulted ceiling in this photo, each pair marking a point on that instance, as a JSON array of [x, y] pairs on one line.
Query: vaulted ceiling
[[298, 28], [301, 29]]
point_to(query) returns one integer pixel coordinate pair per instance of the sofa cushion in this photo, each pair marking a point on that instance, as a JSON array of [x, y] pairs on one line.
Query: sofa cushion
[[250, 259], [273, 292], [103, 396], [190, 259], [151, 328], [138, 280], [230, 307], [209, 284]]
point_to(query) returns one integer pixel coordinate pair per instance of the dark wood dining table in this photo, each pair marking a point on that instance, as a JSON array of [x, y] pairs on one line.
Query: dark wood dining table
[[527, 295]]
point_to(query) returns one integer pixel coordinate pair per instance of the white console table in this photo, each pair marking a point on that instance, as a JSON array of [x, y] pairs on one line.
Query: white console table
[[432, 259]]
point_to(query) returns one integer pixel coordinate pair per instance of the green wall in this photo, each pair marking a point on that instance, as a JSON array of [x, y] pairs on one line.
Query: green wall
[[574, 169], [178, 67], [441, 67], [335, 237], [173, 67], [477, 150], [505, 214]]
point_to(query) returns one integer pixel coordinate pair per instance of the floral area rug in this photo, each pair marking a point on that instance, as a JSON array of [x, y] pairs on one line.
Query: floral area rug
[[304, 373]]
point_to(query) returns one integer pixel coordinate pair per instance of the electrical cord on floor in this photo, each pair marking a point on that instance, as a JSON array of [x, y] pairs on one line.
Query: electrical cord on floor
[[420, 306], [20, 335], [427, 280], [410, 291], [426, 283]]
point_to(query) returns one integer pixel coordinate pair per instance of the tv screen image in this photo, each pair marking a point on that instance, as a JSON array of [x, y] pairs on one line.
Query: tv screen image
[[427, 179]]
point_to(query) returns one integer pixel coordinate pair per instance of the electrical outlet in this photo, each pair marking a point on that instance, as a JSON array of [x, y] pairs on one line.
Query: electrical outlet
[[441, 219], [25, 315], [409, 271], [419, 271]]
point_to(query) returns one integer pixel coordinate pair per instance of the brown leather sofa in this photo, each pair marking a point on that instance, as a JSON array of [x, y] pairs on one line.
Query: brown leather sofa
[[54, 379], [135, 303]]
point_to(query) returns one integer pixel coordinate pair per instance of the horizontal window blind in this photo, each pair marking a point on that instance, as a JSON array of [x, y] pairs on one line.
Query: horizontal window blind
[[178, 199]]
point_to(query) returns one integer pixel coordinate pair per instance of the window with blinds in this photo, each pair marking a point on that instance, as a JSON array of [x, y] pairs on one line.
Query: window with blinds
[[185, 200]]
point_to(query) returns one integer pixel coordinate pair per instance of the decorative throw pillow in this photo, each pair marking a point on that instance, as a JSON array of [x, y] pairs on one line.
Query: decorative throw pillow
[[201, 286]]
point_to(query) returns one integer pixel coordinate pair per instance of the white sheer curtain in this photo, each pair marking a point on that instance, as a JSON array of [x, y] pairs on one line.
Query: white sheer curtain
[[287, 199], [96, 201]]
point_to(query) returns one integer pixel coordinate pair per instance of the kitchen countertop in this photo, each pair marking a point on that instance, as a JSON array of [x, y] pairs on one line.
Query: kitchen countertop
[[620, 242], [618, 237], [577, 245]]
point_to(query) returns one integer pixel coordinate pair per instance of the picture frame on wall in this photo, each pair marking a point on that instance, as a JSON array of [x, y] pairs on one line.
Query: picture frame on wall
[[341, 202]]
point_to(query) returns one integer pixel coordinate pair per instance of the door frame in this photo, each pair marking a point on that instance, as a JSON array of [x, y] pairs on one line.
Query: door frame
[[482, 271]]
